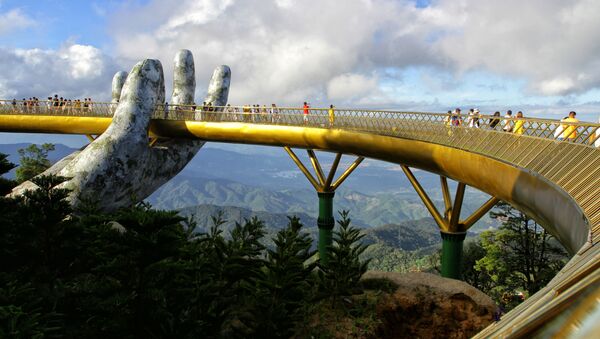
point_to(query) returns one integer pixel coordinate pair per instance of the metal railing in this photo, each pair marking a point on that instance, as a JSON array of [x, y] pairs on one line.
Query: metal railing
[[431, 127]]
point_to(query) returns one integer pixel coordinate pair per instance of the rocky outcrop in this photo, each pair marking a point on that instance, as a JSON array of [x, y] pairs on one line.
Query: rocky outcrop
[[120, 168], [429, 306]]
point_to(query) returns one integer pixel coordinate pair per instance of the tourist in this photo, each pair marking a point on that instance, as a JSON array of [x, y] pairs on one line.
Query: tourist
[[507, 122], [305, 110], [263, 113], [229, 112], [166, 110], [558, 134], [448, 119], [274, 113], [494, 121], [570, 128], [456, 118], [331, 115], [474, 118], [470, 117], [519, 129]]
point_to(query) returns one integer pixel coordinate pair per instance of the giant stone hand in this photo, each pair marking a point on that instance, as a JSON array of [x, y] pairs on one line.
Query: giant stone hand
[[120, 168]]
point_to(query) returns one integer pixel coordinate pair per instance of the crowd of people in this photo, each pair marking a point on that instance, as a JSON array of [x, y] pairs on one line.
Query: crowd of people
[[56, 103], [566, 130]]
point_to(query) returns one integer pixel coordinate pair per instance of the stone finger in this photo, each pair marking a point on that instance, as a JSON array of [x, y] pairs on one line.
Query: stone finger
[[184, 78], [142, 94], [117, 85], [218, 89]]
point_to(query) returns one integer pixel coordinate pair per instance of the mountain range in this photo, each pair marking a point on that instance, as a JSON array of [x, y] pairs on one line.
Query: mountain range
[[265, 180]]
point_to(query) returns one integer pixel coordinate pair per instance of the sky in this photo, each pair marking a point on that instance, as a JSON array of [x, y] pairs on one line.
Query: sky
[[538, 56]]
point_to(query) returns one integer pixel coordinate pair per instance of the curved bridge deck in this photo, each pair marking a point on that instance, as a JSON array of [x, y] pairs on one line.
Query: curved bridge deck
[[556, 182]]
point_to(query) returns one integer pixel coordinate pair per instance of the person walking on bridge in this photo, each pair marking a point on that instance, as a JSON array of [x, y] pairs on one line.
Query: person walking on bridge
[[331, 115], [456, 118], [495, 120], [570, 129], [507, 123], [305, 109], [519, 128]]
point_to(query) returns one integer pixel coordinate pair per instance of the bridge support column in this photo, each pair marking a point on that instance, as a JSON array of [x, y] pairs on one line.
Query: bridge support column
[[326, 222], [453, 230], [325, 187], [452, 247]]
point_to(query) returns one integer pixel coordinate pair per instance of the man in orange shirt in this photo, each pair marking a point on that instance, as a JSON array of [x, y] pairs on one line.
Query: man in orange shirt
[[305, 109]]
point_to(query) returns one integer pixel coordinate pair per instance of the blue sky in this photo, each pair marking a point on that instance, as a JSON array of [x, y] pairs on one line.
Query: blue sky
[[536, 56]]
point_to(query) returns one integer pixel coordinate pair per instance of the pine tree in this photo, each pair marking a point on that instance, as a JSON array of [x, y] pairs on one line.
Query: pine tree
[[5, 166], [285, 283], [342, 275], [33, 161]]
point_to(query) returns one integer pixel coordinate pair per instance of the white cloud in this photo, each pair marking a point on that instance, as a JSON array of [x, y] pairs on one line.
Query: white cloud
[[14, 20], [350, 86], [551, 43], [72, 71], [83, 61], [288, 50], [280, 50]]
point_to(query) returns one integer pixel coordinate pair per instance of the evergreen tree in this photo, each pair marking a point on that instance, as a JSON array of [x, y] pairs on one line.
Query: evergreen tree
[[285, 283], [5, 184], [33, 161], [519, 256], [345, 268]]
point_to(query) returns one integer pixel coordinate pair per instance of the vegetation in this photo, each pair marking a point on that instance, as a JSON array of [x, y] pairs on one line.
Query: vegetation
[[140, 272], [33, 161], [5, 166], [515, 261]]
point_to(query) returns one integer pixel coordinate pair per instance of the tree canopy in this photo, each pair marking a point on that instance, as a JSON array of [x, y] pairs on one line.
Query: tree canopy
[[33, 161], [141, 272]]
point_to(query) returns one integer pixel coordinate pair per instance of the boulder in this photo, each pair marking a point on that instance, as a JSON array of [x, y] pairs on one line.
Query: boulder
[[425, 305]]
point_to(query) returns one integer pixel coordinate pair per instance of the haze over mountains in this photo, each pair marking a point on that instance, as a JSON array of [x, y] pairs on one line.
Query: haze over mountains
[[263, 181]]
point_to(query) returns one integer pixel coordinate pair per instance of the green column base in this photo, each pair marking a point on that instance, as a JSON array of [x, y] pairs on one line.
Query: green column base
[[452, 246], [326, 222]]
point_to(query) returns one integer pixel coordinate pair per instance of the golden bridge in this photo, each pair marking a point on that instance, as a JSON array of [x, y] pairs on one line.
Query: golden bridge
[[554, 181]]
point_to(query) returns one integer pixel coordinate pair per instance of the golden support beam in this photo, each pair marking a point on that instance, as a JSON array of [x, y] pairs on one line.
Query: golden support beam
[[153, 141], [446, 194], [334, 167], [480, 212], [347, 172], [320, 183], [458, 200], [303, 168], [449, 222], [315, 163], [442, 222], [90, 137]]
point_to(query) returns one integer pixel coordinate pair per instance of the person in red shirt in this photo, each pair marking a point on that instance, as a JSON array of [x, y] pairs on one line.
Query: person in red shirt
[[305, 108]]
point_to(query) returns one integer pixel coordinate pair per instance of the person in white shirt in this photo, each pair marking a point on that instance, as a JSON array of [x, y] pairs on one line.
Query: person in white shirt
[[558, 134], [474, 118], [507, 123]]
